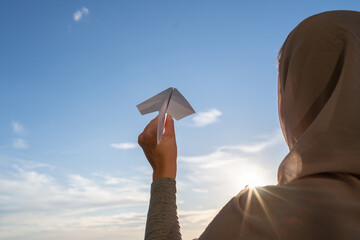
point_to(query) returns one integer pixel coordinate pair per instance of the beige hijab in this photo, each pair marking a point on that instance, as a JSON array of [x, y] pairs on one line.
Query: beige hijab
[[318, 194], [319, 96]]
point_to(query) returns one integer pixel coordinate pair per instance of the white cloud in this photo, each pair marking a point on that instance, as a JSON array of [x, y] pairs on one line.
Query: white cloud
[[125, 145], [17, 127], [227, 170], [80, 195], [20, 143], [194, 222], [205, 118], [257, 147], [36, 205], [200, 217], [80, 13], [84, 10]]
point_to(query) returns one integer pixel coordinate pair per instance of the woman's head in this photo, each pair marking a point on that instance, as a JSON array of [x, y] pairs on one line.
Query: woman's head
[[319, 93]]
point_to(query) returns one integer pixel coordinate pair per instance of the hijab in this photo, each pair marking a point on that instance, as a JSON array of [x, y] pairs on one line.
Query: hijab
[[319, 96], [318, 193]]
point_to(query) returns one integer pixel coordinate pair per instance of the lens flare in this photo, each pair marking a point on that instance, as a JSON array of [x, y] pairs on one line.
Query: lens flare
[[251, 179]]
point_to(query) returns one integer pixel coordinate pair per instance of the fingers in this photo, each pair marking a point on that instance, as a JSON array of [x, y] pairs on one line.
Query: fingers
[[169, 126], [148, 136]]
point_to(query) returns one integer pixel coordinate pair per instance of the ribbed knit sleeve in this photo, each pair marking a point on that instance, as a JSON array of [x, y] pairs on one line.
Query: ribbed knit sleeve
[[162, 221]]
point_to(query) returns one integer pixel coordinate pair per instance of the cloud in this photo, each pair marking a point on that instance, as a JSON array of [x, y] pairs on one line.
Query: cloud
[[80, 13], [204, 118], [125, 145], [26, 164], [256, 147], [228, 169], [197, 216], [23, 187], [17, 127], [37, 205], [20, 143]]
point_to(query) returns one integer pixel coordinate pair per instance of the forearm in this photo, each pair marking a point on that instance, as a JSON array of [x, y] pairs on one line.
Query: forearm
[[162, 221]]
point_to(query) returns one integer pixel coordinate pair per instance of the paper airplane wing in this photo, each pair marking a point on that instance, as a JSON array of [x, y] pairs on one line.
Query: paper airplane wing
[[161, 121], [178, 106], [169, 101], [155, 103]]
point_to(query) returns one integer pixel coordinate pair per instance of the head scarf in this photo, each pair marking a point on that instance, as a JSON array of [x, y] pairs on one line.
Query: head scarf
[[319, 105], [319, 96]]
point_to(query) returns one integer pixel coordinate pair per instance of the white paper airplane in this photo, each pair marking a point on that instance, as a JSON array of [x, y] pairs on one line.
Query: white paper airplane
[[169, 101]]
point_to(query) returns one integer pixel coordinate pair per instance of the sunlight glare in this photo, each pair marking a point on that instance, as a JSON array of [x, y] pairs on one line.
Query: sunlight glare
[[251, 179]]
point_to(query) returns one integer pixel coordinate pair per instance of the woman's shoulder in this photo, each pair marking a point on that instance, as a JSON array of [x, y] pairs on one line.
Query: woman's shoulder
[[316, 195]]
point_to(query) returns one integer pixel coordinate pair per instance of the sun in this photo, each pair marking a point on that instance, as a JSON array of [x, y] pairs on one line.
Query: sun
[[251, 178]]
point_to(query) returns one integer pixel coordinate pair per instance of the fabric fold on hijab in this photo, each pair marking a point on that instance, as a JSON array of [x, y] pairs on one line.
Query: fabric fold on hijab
[[319, 96]]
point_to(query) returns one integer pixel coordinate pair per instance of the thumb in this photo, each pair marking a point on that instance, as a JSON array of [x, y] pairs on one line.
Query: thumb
[[169, 126]]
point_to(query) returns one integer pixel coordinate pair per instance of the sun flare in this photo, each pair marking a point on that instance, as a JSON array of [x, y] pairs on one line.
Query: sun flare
[[251, 179]]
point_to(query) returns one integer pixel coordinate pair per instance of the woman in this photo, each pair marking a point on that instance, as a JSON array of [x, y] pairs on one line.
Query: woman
[[318, 191]]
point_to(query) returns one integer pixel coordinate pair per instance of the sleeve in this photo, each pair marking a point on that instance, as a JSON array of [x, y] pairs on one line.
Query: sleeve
[[162, 221]]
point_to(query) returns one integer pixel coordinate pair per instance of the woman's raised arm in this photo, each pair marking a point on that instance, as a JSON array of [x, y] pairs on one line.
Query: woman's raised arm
[[162, 221]]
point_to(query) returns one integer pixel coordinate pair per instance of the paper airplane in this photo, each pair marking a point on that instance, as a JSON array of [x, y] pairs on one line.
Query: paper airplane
[[170, 102]]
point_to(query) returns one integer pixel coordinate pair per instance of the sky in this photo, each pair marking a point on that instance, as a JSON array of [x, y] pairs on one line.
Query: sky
[[71, 75]]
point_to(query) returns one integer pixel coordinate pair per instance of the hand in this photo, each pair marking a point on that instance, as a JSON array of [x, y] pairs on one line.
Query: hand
[[162, 156]]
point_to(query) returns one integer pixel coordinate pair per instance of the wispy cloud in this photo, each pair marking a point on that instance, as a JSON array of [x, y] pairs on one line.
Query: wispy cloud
[[78, 15], [228, 169], [197, 216], [17, 127], [204, 118], [36, 204], [20, 143], [125, 145], [256, 147], [25, 164], [193, 222], [111, 180]]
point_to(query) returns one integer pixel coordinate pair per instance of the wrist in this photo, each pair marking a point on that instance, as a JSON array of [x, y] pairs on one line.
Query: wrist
[[169, 173]]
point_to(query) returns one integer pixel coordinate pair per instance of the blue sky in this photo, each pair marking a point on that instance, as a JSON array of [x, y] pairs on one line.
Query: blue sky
[[71, 75]]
